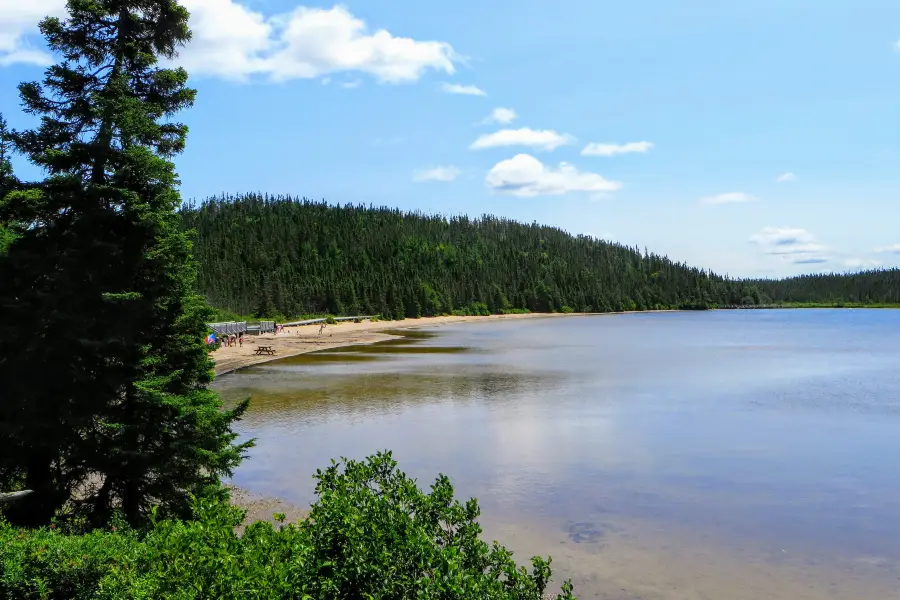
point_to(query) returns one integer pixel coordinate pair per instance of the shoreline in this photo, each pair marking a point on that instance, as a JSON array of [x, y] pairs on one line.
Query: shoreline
[[303, 339]]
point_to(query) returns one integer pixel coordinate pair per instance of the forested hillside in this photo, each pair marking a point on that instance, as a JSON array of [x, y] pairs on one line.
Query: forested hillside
[[277, 255], [263, 254]]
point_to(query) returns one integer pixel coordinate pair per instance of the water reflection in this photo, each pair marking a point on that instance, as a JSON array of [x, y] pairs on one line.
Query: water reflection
[[767, 435]]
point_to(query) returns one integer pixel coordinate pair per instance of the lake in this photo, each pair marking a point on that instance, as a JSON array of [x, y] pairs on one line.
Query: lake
[[723, 454]]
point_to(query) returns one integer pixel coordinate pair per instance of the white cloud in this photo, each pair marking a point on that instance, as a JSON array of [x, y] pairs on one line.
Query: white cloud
[[595, 149], [503, 116], [524, 175], [781, 236], [543, 139], [785, 177], [233, 41], [464, 90], [792, 244], [19, 21], [891, 249], [727, 198], [861, 263], [448, 173]]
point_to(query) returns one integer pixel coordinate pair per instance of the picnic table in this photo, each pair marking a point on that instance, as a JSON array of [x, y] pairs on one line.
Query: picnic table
[[260, 350]]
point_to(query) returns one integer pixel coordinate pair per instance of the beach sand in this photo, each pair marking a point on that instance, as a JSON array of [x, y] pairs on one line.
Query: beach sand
[[299, 340]]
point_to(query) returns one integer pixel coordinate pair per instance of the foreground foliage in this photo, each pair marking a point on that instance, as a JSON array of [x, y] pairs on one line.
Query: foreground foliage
[[371, 534], [103, 369]]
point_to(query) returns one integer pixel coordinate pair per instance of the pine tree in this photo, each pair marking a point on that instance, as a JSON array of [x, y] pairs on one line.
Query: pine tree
[[8, 183], [103, 365]]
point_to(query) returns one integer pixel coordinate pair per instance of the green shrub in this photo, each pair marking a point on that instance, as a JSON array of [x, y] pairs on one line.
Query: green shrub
[[46, 563], [372, 533], [330, 320], [475, 309], [515, 311]]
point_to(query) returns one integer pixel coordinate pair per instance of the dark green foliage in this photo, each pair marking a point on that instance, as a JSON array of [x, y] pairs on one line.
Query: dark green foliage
[[294, 256], [286, 256], [867, 287], [103, 368], [8, 182], [372, 534]]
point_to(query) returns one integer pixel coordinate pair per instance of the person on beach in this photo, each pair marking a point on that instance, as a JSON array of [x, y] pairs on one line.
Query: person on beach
[[241, 340], [321, 328]]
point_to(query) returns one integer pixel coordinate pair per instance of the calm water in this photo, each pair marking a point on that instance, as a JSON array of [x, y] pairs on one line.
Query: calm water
[[733, 454]]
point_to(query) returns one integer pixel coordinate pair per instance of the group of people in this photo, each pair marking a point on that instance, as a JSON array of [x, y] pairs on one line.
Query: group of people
[[233, 340]]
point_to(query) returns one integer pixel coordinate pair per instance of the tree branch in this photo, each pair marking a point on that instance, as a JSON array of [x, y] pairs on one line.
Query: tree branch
[[13, 496]]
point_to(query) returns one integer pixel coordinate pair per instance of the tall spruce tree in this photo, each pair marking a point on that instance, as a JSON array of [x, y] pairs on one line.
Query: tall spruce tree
[[8, 182], [103, 368]]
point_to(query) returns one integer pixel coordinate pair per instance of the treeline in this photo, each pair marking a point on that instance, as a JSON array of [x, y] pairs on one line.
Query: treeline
[[865, 287], [267, 255]]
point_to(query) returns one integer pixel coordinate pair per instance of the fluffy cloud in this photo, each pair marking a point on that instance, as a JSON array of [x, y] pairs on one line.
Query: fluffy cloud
[[543, 139], [785, 177], [233, 41], [20, 19], [503, 116], [793, 244], [727, 198], [595, 149], [448, 173], [891, 249], [464, 90], [524, 175]]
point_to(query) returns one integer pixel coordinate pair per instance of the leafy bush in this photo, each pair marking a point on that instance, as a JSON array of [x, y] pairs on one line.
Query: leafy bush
[[476, 309], [371, 534]]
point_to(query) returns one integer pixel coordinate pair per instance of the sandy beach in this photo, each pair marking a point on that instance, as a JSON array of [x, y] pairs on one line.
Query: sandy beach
[[299, 340]]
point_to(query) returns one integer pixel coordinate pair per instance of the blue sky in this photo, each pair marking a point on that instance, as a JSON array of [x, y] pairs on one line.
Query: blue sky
[[653, 123]]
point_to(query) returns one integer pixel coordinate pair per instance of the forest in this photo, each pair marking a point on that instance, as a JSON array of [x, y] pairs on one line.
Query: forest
[[265, 255]]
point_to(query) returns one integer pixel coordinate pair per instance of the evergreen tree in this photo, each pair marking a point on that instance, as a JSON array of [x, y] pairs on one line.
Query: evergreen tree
[[103, 365], [8, 183]]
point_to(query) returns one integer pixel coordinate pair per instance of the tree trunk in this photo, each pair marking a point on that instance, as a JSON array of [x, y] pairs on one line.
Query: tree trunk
[[44, 500]]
